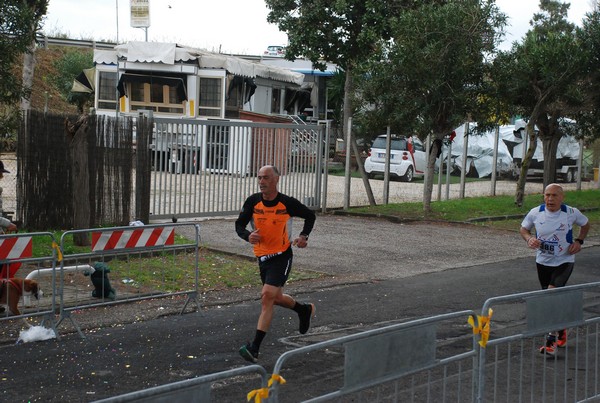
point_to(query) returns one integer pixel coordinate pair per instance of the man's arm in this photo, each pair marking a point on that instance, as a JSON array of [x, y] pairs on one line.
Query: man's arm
[[532, 241], [297, 209], [583, 231], [244, 218]]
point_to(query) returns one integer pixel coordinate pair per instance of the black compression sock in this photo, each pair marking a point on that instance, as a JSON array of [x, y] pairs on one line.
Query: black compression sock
[[298, 307], [258, 338]]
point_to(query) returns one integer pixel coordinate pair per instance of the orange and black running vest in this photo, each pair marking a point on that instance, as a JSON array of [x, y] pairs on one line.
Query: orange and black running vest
[[273, 220]]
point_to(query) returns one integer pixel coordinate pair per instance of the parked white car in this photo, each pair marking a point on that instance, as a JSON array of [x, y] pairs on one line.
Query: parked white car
[[408, 157], [275, 50]]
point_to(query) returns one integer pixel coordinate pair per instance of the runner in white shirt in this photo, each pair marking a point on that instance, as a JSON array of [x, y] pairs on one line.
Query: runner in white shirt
[[556, 247]]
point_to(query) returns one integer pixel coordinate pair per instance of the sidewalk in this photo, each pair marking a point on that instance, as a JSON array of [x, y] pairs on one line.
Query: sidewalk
[[365, 248]]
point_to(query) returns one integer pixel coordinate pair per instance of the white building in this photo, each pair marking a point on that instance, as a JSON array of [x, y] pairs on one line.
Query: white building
[[181, 82]]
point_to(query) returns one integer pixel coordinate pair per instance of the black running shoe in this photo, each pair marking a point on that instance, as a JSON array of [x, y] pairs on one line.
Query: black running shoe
[[248, 353], [305, 317]]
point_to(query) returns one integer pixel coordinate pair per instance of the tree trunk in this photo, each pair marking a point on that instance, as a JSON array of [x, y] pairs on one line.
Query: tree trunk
[[520, 191], [348, 94], [436, 146], [363, 174], [550, 146], [78, 147], [28, 71]]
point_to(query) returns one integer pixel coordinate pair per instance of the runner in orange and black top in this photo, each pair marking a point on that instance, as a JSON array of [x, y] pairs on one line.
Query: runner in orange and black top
[[270, 213]]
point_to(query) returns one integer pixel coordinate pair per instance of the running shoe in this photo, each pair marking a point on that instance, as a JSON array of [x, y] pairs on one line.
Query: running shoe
[[248, 353], [305, 316], [550, 347], [562, 338]]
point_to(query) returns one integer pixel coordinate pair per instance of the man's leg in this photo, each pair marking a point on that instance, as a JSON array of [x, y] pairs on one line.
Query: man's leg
[[554, 277], [270, 295], [305, 311]]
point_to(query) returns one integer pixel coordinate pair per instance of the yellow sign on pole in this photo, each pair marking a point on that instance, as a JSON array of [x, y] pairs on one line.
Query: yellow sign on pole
[[140, 13]]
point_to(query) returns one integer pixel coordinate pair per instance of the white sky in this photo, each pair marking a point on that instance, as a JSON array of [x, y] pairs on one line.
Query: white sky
[[231, 26]]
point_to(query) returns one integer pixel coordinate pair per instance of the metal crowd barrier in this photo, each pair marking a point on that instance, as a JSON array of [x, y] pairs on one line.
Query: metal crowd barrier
[[437, 359], [127, 264], [196, 389], [17, 260], [511, 365], [394, 363]]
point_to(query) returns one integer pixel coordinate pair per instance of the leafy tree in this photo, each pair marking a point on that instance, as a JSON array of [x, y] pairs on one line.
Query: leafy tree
[[16, 34], [344, 32], [588, 118], [539, 77], [429, 78], [67, 69], [335, 94], [19, 22]]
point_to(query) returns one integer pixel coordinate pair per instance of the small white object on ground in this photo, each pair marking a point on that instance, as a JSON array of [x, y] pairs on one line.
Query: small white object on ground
[[36, 333]]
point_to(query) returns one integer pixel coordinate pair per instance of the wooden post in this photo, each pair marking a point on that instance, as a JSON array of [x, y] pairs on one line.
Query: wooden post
[[77, 134]]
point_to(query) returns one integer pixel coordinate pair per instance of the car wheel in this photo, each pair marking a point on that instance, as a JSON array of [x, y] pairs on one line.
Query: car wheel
[[408, 176], [370, 175]]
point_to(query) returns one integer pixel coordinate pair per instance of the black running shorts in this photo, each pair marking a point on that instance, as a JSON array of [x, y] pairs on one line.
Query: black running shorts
[[275, 269], [556, 276]]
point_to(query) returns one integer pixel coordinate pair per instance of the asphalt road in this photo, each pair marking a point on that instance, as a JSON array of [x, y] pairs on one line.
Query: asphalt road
[[382, 273]]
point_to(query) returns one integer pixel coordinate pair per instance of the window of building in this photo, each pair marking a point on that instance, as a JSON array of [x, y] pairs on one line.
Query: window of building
[[163, 98], [107, 90], [159, 93], [211, 97], [276, 101]]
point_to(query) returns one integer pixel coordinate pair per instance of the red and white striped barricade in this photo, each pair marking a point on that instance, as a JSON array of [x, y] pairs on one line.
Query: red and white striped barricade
[[13, 248], [132, 238]]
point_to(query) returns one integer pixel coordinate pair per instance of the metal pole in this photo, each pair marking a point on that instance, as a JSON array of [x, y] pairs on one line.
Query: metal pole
[[117, 6], [463, 172], [495, 161], [347, 172], [326, 169], [440, 174], [428, 151], [386, 171], [448, 170], [579, 164]]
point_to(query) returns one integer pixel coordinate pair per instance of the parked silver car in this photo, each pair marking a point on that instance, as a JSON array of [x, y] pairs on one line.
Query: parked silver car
[[408, 157]]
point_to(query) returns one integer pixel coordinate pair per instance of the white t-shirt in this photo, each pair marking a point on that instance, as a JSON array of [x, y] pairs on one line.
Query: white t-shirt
[[555, 231]]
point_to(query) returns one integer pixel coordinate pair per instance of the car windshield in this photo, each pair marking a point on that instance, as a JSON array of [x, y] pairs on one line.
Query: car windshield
[[397, 144]]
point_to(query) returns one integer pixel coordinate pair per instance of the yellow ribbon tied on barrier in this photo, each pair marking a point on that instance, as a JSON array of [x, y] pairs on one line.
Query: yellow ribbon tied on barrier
[[263, 393], [482, 327], [59, 255], [258, 395]]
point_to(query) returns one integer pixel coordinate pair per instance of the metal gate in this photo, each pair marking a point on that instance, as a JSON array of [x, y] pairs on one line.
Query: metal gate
[[209, 167]]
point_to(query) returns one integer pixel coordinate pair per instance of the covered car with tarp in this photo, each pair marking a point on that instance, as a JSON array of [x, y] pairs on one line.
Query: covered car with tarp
[[480, 151]]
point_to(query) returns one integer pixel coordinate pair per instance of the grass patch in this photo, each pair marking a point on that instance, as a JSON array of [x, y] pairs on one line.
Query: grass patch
[[171, 271], [461, 210]]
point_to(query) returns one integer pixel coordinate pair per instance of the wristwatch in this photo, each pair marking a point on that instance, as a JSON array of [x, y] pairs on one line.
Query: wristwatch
[[579, 240]]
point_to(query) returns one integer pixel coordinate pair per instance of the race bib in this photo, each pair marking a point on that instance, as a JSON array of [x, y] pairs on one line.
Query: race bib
[[549, 247]]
